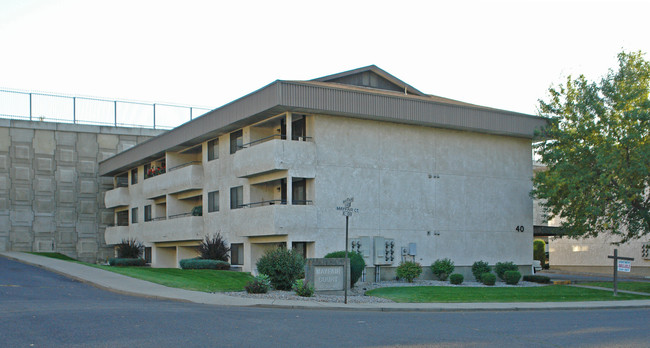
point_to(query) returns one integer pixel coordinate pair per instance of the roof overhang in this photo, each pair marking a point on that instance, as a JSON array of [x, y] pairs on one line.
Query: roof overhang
[[336, 100]]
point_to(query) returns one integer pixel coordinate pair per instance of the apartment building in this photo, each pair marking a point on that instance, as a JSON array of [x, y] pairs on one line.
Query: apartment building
[[431, 177]]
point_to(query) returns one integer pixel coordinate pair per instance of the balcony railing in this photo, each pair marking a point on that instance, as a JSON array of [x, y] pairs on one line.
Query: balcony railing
[[274, 202], [271, 137], [183, 165]]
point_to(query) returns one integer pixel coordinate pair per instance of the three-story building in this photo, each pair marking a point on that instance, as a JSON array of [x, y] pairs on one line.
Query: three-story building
[[431, 177]]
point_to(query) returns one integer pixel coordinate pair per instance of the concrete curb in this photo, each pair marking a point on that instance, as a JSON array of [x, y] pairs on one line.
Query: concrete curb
[[135, 287]]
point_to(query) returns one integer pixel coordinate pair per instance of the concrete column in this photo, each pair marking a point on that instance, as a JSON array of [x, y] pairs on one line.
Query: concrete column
[[289, 190], [288, 127]]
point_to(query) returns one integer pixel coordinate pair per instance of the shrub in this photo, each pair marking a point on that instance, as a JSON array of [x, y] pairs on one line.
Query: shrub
[[442, 268], [259, 285], [303, 288], [488, 278], [409, 270], [456, 279], [282, 266], [539, 252], [512, 277], [197, 211], [197, 263], [129, 249], [537, 279], [478, 268], [357, 264], [214, 248], [125, 262], [501, 267]]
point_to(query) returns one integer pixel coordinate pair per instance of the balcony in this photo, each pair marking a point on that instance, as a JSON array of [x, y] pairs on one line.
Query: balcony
[[275, 154], [274, 219], [182, 178], [115, 234], [156, 231], [117, 197], [177, 229]]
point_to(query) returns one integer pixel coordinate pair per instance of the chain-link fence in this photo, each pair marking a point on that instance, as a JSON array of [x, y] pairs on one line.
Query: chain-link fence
[[86, 110]]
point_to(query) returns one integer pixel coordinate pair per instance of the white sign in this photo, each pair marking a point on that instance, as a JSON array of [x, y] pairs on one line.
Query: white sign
[[624, 266]]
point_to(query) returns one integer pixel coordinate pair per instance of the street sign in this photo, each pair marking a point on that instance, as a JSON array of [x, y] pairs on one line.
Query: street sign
[[624, 265], [347, 212]]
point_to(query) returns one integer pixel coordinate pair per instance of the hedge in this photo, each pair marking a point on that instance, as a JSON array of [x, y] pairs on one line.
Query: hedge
[[537, 279], [124, 262], [204, 264]]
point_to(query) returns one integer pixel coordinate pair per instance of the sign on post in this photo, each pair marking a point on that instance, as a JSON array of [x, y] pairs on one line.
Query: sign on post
[[347, 212], [624, 265]]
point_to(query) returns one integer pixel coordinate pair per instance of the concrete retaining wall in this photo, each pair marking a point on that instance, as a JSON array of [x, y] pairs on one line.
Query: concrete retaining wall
[[51, 198]]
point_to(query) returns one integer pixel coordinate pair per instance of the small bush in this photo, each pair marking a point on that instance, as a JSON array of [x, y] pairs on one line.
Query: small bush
[[357, 264], [197, 211], [204, 264], [129, 249], [409, 270], [282, 266], [478, 268], [488, 278], [126, 262], [442, 268], [456, 279], [512, 277], [537, 279], [501, 267], [214, 248], [303, 288], [259, 285], [539, 251]]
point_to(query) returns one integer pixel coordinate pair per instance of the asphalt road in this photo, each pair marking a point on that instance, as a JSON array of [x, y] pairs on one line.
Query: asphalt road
[[42, 309]]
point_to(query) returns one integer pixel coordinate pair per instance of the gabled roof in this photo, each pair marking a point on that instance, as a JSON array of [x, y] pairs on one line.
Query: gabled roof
[[373, 77]]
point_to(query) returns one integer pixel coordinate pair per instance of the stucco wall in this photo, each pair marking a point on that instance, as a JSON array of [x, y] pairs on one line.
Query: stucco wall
[[456, 194], [590, 254], [51, 198]]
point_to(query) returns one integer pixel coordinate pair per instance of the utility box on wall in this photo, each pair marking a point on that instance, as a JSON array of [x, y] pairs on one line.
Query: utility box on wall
[[362, 245], [384, 249]]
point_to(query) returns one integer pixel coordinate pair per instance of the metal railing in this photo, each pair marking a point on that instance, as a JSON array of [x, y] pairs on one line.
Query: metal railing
[[274, 202], [36, 106], [271, 137], [183, 165]]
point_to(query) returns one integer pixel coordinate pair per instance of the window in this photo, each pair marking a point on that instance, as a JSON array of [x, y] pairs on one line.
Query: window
[[300, 248], [122, 218], [134, 215], [134, 176], [236, 197], [213, 201], [236, 254], [236, 141], [147, 213], [299, 192], [213, 149]]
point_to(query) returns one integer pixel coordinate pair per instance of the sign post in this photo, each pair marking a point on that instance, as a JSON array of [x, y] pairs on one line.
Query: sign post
[[347, 212], [622, 264]]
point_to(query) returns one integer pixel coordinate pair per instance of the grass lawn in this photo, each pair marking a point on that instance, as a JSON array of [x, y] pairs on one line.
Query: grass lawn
[[631, 286], [206, 280], [551, 293]]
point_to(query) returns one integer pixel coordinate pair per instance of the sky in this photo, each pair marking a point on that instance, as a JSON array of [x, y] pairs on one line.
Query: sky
[[501, 54]]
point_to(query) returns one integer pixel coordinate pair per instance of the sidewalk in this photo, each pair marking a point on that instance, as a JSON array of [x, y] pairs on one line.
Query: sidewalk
[[131, 286]]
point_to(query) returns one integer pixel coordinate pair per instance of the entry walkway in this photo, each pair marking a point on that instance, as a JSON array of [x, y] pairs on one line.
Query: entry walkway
[[131, 286]]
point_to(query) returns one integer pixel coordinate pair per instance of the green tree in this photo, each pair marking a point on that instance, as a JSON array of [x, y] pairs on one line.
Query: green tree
[[597, 152]]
